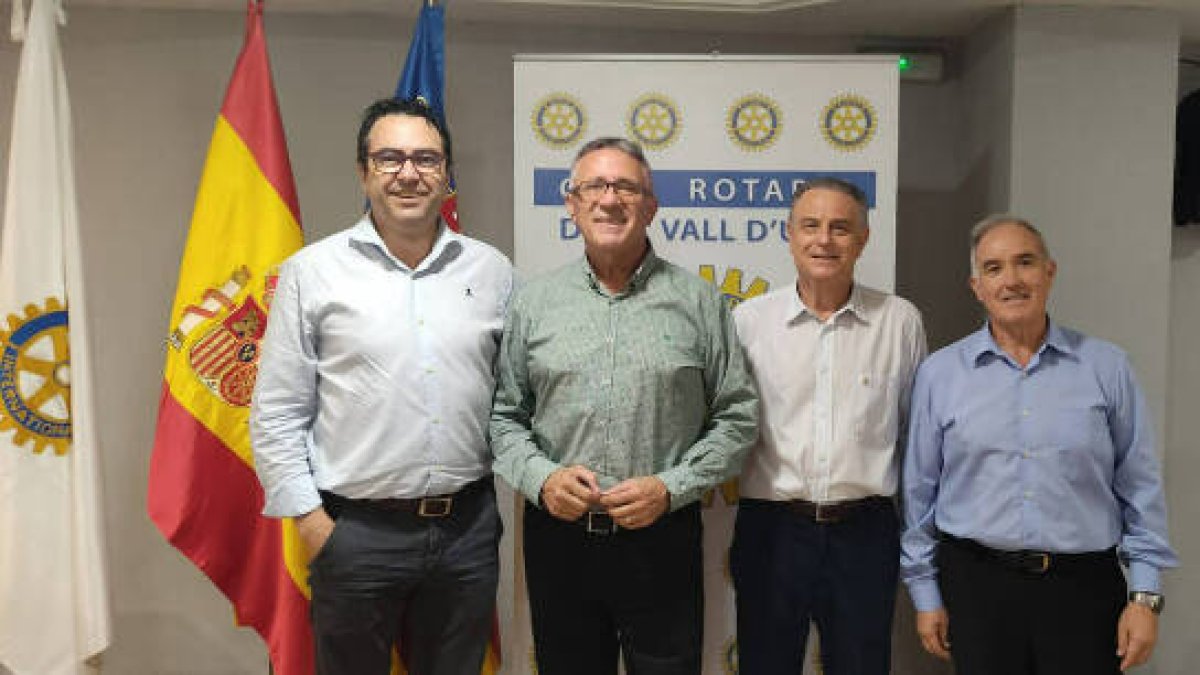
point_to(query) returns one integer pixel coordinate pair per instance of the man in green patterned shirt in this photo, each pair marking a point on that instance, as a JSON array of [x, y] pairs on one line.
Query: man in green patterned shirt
[[622, 396]]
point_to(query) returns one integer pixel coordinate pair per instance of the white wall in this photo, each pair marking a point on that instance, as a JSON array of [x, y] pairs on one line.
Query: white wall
[[1183, 432], [1093, 148]]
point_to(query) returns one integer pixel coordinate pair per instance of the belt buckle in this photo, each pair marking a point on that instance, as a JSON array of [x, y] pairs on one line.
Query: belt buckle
[[1045, 563], [434, 507], [599, 522], [819, 514]]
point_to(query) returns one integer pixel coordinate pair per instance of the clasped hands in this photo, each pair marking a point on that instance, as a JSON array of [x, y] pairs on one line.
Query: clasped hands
[[634, 503]]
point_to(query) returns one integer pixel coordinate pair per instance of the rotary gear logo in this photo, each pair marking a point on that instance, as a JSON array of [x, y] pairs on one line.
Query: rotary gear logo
[[35, 378], [558, 120], [848, 122], [731, 287], [654, 121], [754, 122]]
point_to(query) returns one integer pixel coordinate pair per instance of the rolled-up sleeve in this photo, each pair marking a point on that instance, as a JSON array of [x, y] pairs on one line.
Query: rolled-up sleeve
[[732, 423], [285, 404], [517, 458]]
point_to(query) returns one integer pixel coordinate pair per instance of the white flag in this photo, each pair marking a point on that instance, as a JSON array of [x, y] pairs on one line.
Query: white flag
[[53, 599]]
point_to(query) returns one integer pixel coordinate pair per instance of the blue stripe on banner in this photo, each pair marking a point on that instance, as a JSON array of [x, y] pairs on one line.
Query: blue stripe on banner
[[712, 189]]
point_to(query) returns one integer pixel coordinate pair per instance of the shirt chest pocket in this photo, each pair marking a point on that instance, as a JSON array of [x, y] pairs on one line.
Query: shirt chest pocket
[[1076, 441], [873, 399]]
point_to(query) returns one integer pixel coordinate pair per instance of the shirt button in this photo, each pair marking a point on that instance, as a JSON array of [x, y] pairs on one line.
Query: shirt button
[[1025, 413], [1028, 495]]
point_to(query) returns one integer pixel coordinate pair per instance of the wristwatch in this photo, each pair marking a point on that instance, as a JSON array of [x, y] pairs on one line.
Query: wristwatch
[[1152, 601]]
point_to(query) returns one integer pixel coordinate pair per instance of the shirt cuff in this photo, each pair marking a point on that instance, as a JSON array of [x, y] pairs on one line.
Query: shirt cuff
[[297, 497], [1144, 577], [536, 473], [676, 479], [925, 595]]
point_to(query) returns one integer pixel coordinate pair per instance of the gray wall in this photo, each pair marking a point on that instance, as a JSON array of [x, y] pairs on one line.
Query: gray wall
[[146, 87]]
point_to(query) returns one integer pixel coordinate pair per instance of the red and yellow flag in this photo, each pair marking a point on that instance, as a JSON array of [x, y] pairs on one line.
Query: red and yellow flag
[[203, 493]]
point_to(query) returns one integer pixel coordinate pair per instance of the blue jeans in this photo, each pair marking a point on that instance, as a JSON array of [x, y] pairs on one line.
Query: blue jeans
[[789, 570]]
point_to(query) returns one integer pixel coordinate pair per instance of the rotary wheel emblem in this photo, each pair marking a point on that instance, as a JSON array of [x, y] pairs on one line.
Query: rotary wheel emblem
[[558, 120], [848, 122], [754, 122], [35, 378], [654, 121]]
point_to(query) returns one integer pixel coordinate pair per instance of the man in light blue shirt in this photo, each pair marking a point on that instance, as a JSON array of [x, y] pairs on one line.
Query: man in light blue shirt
[[369, 420], [1030, 475]]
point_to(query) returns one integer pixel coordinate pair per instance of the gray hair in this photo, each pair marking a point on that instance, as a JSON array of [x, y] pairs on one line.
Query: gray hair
[[836, 185], [981, 229], [616, 143]]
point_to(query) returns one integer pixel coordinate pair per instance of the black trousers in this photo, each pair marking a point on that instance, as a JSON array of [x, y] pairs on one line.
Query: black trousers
[[789, 570], [1006, 621], [388, 574], [637, 593]]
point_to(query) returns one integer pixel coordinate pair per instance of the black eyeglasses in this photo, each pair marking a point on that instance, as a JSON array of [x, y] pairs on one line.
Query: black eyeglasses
[[392, 161], [593, 190]]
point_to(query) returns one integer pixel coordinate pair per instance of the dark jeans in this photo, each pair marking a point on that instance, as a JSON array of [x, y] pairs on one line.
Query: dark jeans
[[638, 593], [788, 571], [431, 582], [1005, 621]]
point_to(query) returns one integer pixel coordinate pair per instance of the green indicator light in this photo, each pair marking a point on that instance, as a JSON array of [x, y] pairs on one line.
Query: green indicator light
[[904, 63]]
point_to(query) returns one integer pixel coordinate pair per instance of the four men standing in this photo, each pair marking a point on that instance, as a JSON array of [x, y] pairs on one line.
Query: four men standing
[[621, 395]]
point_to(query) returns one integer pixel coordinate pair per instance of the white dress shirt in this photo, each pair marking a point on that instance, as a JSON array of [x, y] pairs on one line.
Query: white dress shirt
[[376, 379], [834, 393]]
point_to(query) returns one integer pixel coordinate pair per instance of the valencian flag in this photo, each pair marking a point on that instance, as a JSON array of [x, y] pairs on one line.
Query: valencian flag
[[54, 613], [203, 493], [424, 77]]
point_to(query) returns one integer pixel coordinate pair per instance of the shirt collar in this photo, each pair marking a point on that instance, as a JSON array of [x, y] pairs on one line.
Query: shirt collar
[[364, 232], [981, 342], [854, 306], [638, 280]]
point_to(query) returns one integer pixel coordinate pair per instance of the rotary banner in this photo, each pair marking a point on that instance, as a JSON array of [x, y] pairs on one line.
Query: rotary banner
[[203, 493], [54, 615]]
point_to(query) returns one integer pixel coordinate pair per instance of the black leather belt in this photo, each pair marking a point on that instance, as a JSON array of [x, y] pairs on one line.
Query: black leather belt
[[434, 506], [1032, 562], [829, 513]]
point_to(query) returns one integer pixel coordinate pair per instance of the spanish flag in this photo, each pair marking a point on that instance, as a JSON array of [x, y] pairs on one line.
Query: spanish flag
[[203, 493]]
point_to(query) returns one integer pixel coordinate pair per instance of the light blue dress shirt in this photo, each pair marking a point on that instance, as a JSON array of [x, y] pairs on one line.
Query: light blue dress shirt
[[1057, 456], [376, 379]]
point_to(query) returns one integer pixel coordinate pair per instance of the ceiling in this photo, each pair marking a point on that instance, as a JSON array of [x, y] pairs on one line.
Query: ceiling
[[888, 18]]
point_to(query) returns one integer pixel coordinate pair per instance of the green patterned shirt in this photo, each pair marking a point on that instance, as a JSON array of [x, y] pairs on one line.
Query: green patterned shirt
[[649, 381]]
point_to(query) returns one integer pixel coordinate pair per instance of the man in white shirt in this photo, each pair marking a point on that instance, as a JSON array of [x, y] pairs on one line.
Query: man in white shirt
[[369, 420], [817, 536]]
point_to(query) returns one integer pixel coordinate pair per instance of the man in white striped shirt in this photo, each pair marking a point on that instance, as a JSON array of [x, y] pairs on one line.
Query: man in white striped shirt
[[817, 536]]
